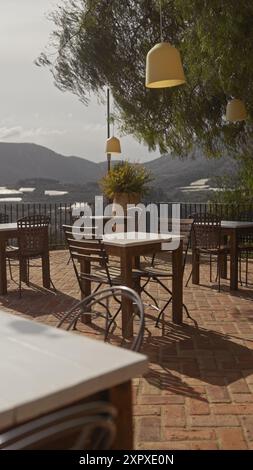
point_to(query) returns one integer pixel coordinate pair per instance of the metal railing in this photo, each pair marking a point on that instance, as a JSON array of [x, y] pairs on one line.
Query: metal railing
[[61, 214]]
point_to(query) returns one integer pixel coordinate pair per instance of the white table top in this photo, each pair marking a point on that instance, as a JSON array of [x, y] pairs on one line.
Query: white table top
[[43, 368], [236, 224], [137, 238], [12, 226]]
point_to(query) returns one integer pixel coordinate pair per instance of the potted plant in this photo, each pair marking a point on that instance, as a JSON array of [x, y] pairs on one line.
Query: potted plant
[[126, 183]]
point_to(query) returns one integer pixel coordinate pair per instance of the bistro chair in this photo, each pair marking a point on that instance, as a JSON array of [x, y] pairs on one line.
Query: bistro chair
[[113, 332], [162, 272], [83, 426], [245, 250], [206, 240], [32, 243]]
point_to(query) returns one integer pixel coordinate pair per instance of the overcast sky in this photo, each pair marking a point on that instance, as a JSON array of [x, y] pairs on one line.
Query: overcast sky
[[32, 109]]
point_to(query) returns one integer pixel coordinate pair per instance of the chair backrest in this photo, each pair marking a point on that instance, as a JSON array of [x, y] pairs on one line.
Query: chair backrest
[[206, 231], [85, 250], [32, 234], [114, 333], [77, 427], [185, 232], [4, 218]]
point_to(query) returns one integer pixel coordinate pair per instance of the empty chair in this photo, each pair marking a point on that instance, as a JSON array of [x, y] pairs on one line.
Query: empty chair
[[32, 243], [113, 331], [207, 240], [83, 426]]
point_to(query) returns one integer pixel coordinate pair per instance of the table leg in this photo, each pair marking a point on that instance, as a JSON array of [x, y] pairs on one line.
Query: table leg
[[177, 285], [233, 261], [223, 260], [195, 265], [121, 397], [23, 270], [127, 306], [86, 287], [3, 276], [46, 270]]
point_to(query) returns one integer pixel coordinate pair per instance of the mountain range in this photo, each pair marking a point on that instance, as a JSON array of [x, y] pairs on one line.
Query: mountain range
[[27, 161]]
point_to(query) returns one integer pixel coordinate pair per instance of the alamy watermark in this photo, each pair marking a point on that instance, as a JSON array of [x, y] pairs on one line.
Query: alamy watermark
[[130, 223]]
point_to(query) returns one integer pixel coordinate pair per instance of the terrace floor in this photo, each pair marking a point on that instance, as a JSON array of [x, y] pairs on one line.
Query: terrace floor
[[198, 393]]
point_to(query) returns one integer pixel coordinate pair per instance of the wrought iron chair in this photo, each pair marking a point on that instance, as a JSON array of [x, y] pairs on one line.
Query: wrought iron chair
[[88, 426], [85, 248], [245, 249], [32, 239], [162, 272], [113, 331], [206, 240]]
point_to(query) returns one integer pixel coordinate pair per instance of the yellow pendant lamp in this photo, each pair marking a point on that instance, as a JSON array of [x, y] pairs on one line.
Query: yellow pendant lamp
[[163, 65], [236, 111], [113, 145]]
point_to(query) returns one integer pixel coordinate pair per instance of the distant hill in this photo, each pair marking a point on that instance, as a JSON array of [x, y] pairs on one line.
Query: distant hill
[[29, 161], [24, 161]]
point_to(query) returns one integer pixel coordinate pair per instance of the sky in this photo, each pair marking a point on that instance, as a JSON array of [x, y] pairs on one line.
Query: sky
[[32, 109]]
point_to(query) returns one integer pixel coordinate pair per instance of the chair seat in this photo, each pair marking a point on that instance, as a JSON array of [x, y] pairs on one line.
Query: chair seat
[[100, 275], [214, 251], [245, 247], [152, 271], [12, 252]]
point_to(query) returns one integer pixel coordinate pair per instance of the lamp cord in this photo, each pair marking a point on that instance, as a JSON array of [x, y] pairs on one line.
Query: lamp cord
[[161, 21]]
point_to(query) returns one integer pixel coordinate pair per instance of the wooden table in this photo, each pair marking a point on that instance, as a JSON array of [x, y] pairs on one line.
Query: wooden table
[[10, 231], [232, 230], [44, 369], [129, 247]]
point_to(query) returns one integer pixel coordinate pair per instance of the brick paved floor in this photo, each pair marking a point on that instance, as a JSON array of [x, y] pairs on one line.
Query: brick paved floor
[[198, 393]]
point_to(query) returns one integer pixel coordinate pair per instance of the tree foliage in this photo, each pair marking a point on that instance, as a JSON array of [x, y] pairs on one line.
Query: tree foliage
[[238, 188], [103, 43]]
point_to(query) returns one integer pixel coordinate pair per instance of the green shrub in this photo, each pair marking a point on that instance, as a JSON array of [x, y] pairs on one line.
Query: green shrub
[[126, 177]]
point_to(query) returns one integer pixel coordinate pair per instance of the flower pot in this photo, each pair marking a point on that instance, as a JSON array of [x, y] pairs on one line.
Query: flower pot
[[123, 199]]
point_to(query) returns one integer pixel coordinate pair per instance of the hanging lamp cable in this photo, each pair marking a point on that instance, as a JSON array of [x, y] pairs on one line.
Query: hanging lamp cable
[[161, 21]]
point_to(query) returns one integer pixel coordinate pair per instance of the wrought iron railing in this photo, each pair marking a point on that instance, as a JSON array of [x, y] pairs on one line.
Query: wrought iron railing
[[61, 214]]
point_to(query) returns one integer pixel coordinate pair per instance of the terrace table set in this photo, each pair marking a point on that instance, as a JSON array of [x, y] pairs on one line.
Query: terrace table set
[[10, 231], [233, 230], [129, 247]]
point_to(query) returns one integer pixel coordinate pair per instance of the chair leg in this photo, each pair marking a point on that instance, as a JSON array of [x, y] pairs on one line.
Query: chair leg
[[240, 269], [20, 280], [210, 261], [10, 270], [28, 272], [219, 272], [161, 312], [247, 267], [189, 316], [186, 285]]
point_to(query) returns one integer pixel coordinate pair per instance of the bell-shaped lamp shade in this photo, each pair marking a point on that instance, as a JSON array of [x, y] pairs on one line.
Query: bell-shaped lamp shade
[[164, 67], [113, 145], [236, 111]]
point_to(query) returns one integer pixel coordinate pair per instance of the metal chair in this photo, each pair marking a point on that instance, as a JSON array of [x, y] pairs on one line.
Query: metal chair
[[32, 239], [163, 273], [77, 427], [245, 250], [85, 249], [207, 240], [84, 307]]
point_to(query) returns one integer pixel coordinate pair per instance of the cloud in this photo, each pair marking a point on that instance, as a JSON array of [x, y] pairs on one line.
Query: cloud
[[93, 127], [18, 132]]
